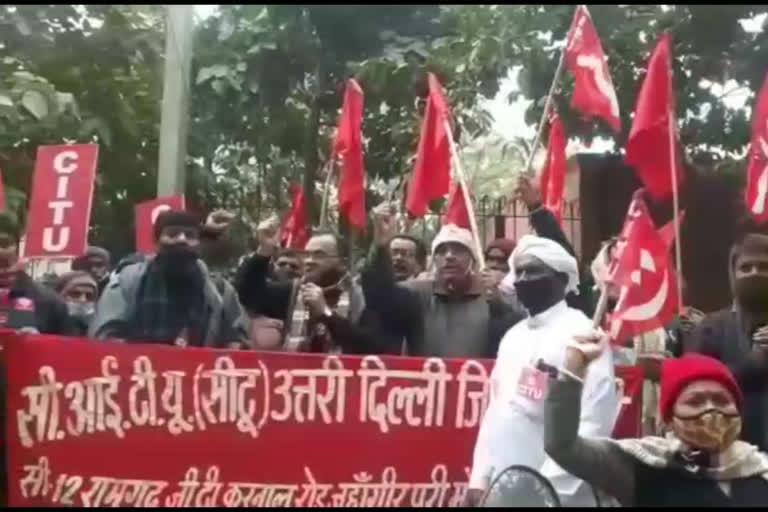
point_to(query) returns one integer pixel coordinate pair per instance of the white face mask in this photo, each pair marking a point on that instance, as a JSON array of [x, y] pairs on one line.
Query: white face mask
[[81, 309]]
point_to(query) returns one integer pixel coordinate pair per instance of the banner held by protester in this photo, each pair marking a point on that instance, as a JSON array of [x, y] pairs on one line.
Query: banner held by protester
[[335, 430]]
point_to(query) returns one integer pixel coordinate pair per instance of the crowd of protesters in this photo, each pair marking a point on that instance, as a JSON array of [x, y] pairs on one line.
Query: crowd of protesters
[[705, 410]]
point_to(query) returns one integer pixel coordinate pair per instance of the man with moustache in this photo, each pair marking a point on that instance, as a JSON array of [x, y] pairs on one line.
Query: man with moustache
[[738, 335], [170, 298], [449, 316], [323, 312], [512, 428], [409, 257]]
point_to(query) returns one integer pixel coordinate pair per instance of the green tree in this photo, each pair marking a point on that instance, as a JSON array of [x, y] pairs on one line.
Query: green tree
[[710, 45], [80, 74]]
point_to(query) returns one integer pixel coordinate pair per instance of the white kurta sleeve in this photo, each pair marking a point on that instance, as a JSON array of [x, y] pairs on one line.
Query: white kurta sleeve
[[478, 478], [599, 409]]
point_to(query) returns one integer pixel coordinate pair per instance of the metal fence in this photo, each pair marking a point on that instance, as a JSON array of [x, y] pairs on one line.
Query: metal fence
[[505, 218]]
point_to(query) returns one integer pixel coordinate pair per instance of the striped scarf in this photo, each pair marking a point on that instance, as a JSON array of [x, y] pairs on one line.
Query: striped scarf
[[304, 335], [164, 316]]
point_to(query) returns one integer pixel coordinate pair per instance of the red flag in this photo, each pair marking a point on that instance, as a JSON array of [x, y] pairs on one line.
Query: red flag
[[648, 144], [457, 213], [432, 173], [552, 184], [644, 275], [2, 193], [593, 94], [295, 232], [756, 193], [349, 146], [667, 231], [146, 214]]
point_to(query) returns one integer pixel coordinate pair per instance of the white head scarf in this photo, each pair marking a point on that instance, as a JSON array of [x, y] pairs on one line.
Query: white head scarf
[[551, 253], [452, 233]]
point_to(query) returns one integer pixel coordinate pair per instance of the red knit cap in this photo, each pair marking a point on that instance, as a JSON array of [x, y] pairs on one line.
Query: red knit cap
[[676, 374]]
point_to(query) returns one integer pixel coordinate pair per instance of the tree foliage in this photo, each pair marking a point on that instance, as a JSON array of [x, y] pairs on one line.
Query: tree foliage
[[267, 85], [710, 46]]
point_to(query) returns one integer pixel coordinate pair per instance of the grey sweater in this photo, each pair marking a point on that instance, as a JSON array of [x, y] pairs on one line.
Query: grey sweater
[[433, 322]]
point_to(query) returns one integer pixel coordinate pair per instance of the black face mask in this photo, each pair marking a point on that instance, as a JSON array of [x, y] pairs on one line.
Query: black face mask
[[538, 295], [752, 293], [178, 262]]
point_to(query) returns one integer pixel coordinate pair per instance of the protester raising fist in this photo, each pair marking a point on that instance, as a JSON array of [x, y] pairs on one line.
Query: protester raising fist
[[218, 221], [268, 236], [528, 193], [383, 224]]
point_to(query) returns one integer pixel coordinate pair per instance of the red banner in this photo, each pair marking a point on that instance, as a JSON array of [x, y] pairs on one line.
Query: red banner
[[100, 424], [60, 205], [146, 214]]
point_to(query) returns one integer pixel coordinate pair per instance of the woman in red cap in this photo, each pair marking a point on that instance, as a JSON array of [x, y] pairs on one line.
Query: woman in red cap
[[700, 462]]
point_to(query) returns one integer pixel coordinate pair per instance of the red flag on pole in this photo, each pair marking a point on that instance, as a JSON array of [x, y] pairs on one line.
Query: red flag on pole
[[593, 94], [432, 173], [457, 213], [756, 193], [648, 148], [348, 145], [644, 275], [552, 184], [667, 231], [295, 232]]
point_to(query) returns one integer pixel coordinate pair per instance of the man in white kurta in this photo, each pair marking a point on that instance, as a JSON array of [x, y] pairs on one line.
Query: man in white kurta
[[512, 430]]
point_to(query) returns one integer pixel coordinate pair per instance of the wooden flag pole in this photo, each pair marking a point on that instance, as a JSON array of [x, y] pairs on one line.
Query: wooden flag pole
[[676, 210], [547, 105], [467, 198], [548, 102], [672, 129], [326, 192]]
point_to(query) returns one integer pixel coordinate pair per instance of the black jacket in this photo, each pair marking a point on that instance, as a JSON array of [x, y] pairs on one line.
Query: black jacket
[[261, 296], [50, 314], [724, 336]]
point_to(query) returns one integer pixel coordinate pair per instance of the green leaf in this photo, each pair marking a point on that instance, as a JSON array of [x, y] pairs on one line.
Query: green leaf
[[35, 103], [217, 71], [96, 125], [26, 75], [218, 86], [5, 100]]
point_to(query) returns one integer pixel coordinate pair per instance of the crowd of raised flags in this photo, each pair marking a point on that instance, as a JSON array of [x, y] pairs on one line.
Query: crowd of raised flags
[[522, 306]]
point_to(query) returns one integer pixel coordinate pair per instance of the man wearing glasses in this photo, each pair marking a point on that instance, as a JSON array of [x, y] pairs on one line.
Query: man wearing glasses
[[321, 312]]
